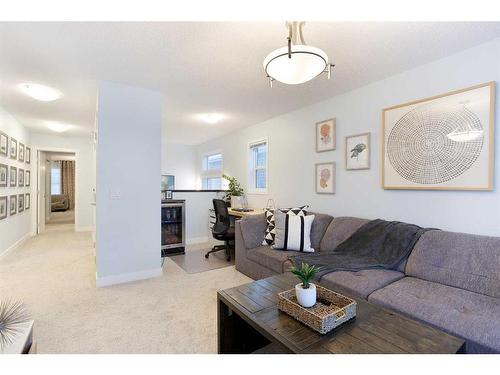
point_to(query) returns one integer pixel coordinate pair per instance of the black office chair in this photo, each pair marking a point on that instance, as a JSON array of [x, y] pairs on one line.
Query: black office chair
[[222, 229]]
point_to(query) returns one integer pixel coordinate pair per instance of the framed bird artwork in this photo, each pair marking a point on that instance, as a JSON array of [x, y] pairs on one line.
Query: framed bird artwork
[[357, 151]]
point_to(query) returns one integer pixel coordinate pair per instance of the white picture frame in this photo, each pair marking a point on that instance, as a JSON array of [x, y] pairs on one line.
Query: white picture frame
[[357, 151], [325, 177], [326, 135]]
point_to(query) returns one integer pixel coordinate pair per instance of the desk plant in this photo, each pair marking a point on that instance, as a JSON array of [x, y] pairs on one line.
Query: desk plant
[[234, 192], [305, 290]]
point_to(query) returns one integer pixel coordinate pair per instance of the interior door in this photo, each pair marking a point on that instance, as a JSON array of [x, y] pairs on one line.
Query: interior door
[[41, 172], [47, 190]]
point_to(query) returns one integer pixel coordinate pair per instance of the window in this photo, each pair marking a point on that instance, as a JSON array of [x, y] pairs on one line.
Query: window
[[55, 178], [212, 171], [257, 167], [211, 183]]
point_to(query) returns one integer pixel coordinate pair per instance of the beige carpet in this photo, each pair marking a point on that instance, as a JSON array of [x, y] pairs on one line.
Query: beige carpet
[[62, 217], [54, 274]]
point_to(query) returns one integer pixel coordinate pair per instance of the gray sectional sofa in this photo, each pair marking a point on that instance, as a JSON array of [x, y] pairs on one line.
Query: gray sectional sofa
[[450, 280]]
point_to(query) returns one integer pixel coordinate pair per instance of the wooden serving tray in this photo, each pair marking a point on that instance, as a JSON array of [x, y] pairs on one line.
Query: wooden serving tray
[[330, 311]]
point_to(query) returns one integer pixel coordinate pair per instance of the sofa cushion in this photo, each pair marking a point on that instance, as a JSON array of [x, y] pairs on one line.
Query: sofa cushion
[[339, 230], [472, 316], [272, 259], [360, 283], [318, 229], [465, 261], [253, 229]]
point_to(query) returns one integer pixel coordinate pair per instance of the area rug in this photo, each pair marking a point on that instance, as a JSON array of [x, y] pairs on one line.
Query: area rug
[[194, 261]]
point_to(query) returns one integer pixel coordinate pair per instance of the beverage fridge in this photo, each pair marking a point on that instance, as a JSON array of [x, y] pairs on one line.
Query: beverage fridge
[[173, 228]]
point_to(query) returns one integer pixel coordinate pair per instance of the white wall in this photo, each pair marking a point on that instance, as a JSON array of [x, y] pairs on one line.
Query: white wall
[[128, 240], [84, 171], [197, 206], [359, 193], [180, 161], [14, 229]]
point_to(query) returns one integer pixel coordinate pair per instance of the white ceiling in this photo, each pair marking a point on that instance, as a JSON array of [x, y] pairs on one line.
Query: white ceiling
[[205, 67]]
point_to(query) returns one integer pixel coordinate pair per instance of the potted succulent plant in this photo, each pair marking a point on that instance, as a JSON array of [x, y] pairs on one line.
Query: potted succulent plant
[[235, 193], [305, 290]]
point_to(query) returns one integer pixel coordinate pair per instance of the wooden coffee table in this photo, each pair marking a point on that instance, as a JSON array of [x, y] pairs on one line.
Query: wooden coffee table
[[249, 322]]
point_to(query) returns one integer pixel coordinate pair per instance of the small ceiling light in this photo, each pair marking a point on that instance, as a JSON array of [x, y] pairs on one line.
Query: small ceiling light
[[296, 63], [211, 118], [40, 92], [58, 127]]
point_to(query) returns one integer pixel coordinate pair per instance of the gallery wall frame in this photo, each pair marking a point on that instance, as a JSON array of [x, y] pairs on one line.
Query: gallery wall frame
[[356, 157], [4, 144], [21, 152], [4, 175], [462, 146], [3, 207], [13, 176], [325, 176], [326, 135], [13, 148], [13, 205]]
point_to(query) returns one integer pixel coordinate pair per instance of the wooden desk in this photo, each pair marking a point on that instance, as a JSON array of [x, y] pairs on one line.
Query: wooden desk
[[241, 214]]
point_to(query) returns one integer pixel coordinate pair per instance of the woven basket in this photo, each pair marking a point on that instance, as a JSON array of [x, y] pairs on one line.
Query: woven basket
[[331, 309]]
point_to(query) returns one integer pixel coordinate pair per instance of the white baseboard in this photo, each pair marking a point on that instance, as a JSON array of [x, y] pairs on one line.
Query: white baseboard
[[195, 240], [127, 277], [83, 229], [16, 244]]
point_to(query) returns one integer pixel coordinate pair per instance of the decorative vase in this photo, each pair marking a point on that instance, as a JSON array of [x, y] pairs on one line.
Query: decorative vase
[[306, 297], [237, 202]]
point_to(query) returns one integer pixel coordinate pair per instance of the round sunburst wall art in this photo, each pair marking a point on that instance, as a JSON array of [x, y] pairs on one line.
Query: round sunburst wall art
[[433, 144]]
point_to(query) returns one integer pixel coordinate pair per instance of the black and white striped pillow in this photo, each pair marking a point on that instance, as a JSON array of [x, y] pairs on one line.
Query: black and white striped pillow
[[293, 232], [270, 229]]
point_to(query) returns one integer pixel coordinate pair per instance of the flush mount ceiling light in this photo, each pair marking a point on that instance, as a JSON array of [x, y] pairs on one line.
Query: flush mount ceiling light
[[296, 63], [58, 127], [210, 118], [40, 92]]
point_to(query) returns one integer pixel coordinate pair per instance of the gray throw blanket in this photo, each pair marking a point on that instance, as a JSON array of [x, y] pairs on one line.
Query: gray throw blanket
[[377, 244]]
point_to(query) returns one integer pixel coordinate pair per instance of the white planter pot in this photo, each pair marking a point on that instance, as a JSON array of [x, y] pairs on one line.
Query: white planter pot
[[237, 202], [306, 297]]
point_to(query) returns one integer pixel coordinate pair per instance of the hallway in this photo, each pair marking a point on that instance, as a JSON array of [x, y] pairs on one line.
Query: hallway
[[54, 274]]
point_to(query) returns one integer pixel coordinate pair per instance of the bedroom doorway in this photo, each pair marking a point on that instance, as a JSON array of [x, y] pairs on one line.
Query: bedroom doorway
[[56, 190]]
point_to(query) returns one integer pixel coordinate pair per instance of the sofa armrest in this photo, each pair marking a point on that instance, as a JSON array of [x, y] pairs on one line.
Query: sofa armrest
[[253, 230]]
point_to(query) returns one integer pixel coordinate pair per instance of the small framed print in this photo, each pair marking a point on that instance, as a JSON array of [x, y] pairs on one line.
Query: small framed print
[[326, 137], [21, 152], [13, 148], [27, 201], [20, 203], [4, 144], [357, 151], [21, 177], [13, 205], [27, 178], [13, 176], [168, 194], [4, 172], [325, 178], [3, 207], [28, 155]]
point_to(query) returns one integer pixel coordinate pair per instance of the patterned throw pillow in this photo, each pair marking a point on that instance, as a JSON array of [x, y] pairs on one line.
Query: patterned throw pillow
[[270, 229], [293, 232]]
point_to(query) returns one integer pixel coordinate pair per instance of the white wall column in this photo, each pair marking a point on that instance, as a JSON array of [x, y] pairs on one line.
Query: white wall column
[[128, 184]]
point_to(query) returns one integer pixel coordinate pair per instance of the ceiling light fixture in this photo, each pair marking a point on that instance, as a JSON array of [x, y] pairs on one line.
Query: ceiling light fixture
[[40, 92], [58, 127], [296, 63], [211, 118]]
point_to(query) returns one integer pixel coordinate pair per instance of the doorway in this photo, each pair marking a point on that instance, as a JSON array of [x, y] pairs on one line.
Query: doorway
[[56, 190]]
